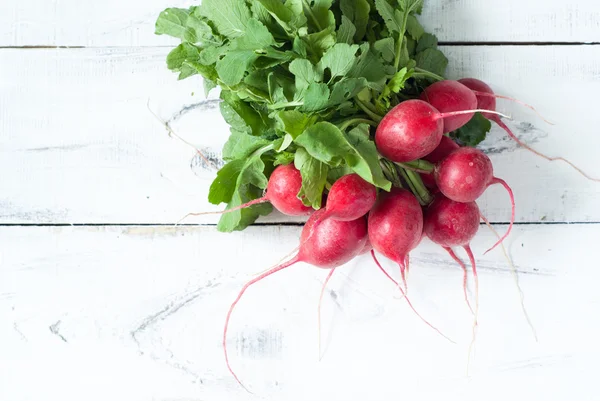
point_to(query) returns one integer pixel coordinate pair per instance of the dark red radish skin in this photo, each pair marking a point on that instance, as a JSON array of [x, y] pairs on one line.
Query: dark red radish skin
[[465, 174], [396, 226], [282, 190], [406, 296], [446, 146], [449, 224], [451, 96], [486, 99], [412, 130], [332, 243], [350, 198], [409, 131]]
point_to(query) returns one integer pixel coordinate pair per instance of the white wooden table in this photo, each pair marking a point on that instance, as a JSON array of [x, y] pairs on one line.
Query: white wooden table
[[102, 298]]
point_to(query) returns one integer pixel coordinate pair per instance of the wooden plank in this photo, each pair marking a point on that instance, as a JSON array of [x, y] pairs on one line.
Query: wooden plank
[[75, 128], [136, 313], [115, 23]]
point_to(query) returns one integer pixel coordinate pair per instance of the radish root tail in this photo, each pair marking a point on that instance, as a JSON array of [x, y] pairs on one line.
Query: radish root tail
[[319, 308], [475, 323], [512, 99], [464, 269], [233, 209], [405, 296], [459, 113], [513, 270], [240, 294], [550, 159], [496, 180]]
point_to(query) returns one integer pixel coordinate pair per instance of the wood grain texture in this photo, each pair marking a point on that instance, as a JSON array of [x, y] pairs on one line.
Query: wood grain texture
[[79, 145], [136, 313], [131, 23]]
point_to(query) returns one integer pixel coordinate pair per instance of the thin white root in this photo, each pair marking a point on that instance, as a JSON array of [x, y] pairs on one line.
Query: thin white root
[[515, 276]]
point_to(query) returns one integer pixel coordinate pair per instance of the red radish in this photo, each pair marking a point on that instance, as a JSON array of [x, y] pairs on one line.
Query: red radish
[[449, 96], [465, 174], [349, 198], [446, 146], [282, 190], [412, 130], [486, 99], [405, 296], [332, 244], [396, 226], [449, 223]]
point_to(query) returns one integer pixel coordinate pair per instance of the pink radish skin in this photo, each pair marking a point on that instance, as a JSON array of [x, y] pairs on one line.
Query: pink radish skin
[[486, 99], [350, 198], [282, 190], [449, 223], [450, 96], [332, 244], [412, 130], [396, 226], [445, 147], [465, 174]]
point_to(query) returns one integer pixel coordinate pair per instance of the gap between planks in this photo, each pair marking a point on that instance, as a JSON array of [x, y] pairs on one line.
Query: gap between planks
[[273, 224], [458, 43]]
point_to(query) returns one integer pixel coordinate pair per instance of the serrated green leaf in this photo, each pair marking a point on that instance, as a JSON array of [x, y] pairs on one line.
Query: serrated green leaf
[[345, 90], [284, 158], [222, 188], [427, 41], [339, 60], [414, 27], [172, 22], [411, 5], [385, 48], [346, 31], [364, 161], [305, 73], [474, 132], [432, 60], [314, 177], [315, 98], [241, 145], [369, 67], [321, 12], [229, 17], [391, 17], [234, 65], [319, 42], [293, 122], [357, 11], [180, 54], [240, 115], [325, 142]]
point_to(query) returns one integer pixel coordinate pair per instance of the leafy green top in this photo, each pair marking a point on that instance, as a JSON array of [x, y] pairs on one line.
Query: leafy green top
[[301, 81]]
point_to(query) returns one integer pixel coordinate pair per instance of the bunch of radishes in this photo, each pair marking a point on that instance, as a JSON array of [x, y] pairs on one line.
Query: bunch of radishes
[[357, 218]]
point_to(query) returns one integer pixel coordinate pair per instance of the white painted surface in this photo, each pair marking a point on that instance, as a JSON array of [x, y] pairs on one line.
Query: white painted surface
[[136, 313], [131, 22], [75, 128]]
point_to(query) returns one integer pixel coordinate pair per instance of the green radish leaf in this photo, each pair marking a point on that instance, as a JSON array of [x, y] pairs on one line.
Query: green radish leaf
[[229, 17], [316, 98], [314, 177], [432, 60], [414, 27], [427, 41], [474, 132], [357, 11], [325, 142], [305, 73], [346, 31], [293, 122], [339, 60], [364, 161], [284, 158], [369, 67], [241, 145], [391, 16]]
